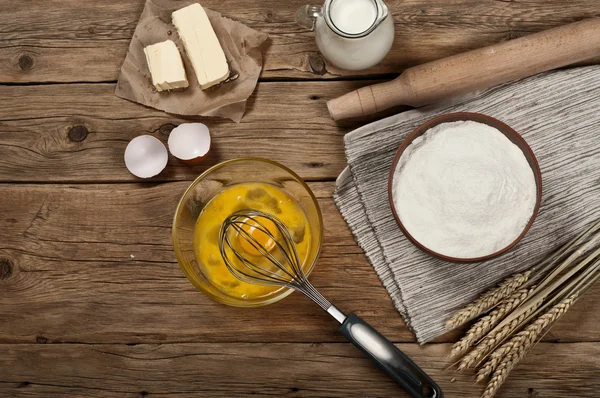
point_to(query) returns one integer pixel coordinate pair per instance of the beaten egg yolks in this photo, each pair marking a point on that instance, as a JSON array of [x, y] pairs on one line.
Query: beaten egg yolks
[[257, 196], [254, 235]]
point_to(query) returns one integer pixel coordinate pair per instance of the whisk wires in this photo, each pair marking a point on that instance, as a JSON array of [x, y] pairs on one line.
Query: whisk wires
[[288, 269]]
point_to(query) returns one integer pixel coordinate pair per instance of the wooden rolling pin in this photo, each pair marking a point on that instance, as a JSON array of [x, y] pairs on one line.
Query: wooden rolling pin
[[475, 70]]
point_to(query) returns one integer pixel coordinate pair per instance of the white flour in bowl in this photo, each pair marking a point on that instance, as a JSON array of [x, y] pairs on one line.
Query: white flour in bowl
[[464, 190]]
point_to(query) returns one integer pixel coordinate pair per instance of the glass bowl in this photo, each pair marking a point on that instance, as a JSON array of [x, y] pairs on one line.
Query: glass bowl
[[214, 181]]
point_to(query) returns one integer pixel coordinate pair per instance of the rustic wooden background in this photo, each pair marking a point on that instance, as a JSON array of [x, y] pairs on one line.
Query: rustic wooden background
[[92, 301]]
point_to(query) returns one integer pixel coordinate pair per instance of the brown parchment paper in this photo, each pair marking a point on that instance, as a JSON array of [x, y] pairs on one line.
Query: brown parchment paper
[[240, 43]]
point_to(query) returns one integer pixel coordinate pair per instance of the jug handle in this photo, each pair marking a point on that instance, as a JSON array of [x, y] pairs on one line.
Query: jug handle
[[382, 11], [306, 16]]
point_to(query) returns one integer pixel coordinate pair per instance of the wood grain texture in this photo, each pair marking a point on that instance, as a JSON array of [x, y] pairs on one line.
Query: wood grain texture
[[285, 121], [244, 370], [69, 277], [81, 318], [87, 40], [72, 279]]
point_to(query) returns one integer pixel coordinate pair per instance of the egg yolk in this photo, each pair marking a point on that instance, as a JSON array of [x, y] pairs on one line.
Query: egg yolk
[[254, 235], [257, 196]]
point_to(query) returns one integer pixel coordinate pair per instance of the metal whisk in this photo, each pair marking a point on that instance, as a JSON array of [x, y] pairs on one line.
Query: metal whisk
[[287, 269], [283, 267]]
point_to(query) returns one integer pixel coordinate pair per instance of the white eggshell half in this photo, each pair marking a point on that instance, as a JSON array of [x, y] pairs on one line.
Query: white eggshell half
[[146, 156], [189, 141]]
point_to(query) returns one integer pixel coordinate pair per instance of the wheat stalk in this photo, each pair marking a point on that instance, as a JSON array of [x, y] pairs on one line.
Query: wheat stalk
[[521, 313], [492, 340], [523, 342], [500, 375], [494, 360], [573, 290], [539, 295], [488, 300], [487, 323]]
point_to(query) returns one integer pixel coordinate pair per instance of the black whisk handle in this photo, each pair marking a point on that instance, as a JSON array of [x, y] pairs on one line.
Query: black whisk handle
[[389, 358]]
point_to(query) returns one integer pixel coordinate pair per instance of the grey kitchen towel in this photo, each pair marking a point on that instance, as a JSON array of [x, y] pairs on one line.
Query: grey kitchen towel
[[558, 114]]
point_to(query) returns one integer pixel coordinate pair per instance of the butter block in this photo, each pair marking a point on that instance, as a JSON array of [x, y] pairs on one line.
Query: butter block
[[166, 66], [201, 45]]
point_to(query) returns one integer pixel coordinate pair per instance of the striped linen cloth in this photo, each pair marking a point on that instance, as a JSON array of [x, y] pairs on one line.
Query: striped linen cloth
[[558, 114]]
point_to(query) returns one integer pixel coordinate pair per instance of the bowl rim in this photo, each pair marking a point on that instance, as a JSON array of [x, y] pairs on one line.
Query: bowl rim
[[285, 291], [490, 121]]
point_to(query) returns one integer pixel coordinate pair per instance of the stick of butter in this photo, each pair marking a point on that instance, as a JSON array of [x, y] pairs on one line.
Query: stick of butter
[[201, 45], [166, 66]]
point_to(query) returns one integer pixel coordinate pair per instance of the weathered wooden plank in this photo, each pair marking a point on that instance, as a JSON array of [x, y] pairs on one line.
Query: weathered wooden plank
[[71, 277], [286, 122], [61, 41], [261, 370], [66, 276]]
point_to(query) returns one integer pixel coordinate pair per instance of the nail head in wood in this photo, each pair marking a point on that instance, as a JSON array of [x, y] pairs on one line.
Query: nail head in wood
[[78, 133], [25, 62]]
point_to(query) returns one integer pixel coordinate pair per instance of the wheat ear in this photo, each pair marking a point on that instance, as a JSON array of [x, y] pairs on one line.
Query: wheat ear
[[488, 299], [495, 358], [523, 342], [487, 323], [489, 342]]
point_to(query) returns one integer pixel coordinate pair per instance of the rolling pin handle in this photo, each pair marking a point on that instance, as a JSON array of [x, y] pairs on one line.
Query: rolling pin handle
[[347, 106], [370, 99]]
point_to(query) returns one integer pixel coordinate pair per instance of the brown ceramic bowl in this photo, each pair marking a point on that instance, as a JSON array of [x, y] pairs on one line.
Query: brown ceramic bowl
[[511, 134]]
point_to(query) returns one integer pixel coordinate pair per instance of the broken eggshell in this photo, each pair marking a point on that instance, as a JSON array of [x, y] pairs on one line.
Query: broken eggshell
[[146, 156], [190, 142]]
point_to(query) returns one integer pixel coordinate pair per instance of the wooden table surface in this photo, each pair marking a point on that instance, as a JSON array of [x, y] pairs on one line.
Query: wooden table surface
[[92, 301]]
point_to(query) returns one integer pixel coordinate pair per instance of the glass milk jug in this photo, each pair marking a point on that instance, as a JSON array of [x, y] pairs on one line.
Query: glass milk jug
[[351, 34]]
